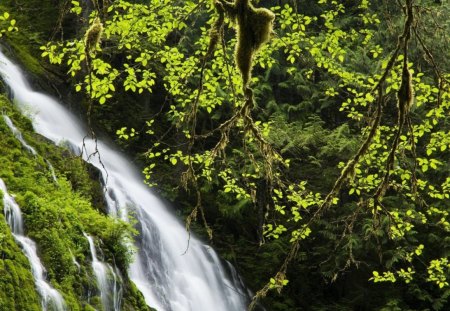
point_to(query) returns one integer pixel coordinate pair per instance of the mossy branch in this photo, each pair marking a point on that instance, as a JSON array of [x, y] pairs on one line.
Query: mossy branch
[[405, 97]]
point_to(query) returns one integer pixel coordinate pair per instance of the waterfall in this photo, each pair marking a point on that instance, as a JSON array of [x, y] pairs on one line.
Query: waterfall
[[51, 299], [110, 291], [169, 277]]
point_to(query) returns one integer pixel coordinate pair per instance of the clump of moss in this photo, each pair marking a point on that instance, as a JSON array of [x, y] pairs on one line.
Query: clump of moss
[[93, 35]]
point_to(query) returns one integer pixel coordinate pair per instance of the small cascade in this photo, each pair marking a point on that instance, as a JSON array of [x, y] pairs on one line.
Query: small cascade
[[238, 284], [52, 171], [18, 135], [74, 261], [51, 299], [107, 280]]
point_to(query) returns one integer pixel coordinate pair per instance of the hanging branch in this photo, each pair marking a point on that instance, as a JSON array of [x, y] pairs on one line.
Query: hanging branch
[[92, 39], [405, 98], [254, 27], [64, 9], [216, 34], [349, 169]]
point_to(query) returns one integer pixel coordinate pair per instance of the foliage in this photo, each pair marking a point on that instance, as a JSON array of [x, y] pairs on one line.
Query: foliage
[[322, 157], [7, 24]]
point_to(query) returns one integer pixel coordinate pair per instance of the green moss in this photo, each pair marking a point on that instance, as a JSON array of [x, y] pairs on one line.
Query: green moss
[[23, 51], [134, 300], [25, 43]]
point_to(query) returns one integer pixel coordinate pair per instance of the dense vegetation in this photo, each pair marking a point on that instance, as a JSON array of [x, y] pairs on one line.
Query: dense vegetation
[[328, 188]]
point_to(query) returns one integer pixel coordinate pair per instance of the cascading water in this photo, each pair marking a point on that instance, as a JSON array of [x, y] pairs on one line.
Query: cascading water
[[110, 291], [74, 261], [52, 171], [18, 135], [51, 299], [169, 278]]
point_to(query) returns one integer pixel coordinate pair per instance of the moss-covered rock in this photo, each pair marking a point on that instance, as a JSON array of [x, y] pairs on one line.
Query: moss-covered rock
[[17, 291], [56, 214]]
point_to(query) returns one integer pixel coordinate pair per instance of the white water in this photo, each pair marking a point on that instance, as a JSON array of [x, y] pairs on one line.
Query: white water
[[52, 171], [169, 278], [18, 135], [110, 291], [50, 297], [74, 261]]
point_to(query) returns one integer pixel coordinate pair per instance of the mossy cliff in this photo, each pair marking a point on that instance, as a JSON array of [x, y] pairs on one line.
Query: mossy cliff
[[55, 214]]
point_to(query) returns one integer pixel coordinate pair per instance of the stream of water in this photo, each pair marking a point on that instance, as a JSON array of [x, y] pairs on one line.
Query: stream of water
[[169, 277], [50, 297], [18, 135], [107, 281]]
